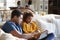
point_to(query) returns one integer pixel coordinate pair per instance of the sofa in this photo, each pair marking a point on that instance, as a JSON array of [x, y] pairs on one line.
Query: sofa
[[50, 22]]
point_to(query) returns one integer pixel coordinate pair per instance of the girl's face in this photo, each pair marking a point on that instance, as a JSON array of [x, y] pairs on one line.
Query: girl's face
[[28, 19]]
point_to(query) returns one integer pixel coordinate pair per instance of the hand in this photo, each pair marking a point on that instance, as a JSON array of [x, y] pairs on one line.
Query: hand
[[36, 34], [46, 31], [27, 36], [31, 37]]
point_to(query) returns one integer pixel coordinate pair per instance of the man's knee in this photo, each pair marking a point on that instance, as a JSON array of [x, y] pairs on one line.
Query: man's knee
[[51, 34]]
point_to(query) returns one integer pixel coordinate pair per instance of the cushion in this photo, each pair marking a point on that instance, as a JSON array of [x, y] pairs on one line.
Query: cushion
[[47, 26], [1, 24], [46, 22], [1, 32], [7, 36], [47, 18], [57, 23]]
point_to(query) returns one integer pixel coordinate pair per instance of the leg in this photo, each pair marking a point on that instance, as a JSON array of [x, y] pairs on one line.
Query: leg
[[50, 36]]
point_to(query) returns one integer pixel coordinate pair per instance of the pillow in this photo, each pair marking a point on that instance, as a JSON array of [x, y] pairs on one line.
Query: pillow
[[1, 32], [57, 23], [57, 17], [1, 24], [7, 36], [47, 18], [46, 26]]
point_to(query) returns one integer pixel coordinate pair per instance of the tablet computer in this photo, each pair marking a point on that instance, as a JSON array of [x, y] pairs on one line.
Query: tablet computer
[[43, 35]]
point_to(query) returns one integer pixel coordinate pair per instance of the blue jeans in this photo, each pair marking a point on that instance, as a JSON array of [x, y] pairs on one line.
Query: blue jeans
[[49, 37]]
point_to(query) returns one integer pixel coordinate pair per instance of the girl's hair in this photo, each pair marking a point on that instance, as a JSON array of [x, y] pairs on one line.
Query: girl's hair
[[26, 14]]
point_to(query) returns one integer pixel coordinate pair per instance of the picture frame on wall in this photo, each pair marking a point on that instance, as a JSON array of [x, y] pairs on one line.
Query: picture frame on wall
[[28, 2], [41, 6], [46, 7]]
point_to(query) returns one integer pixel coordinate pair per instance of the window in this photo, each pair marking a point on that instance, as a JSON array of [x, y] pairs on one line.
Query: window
[[10, 3], [1, 4], [7, 3]]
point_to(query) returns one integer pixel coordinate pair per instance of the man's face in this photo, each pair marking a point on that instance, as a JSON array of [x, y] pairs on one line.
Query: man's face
[[28, 19], [19, 19]]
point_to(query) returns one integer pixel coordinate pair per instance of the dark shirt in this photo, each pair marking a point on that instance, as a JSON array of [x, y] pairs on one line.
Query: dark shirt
[[9, 26]]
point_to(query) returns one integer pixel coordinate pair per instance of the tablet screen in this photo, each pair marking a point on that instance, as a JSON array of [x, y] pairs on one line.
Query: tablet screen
[[43, 35]]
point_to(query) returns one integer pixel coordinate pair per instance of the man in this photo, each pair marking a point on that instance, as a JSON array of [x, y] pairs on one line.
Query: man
[[13, 26]]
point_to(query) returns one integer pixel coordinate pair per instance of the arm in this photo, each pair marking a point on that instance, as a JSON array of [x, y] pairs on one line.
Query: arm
[[41, 30], [15, 33], [34, 35], [26, 36], [10, 28]]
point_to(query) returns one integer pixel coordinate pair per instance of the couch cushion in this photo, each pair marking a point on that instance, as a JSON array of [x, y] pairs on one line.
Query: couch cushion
[[51, 27], [1, 32], [7, 36], [1, 24]]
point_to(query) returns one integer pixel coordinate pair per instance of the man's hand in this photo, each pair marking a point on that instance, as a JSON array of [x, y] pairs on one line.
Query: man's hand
[[36, 34], [28, 36]]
